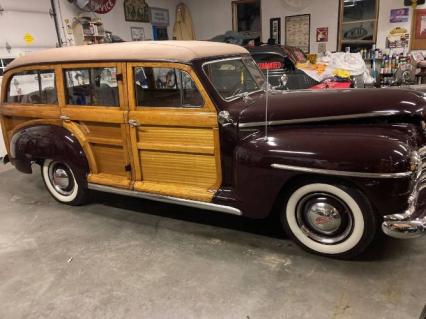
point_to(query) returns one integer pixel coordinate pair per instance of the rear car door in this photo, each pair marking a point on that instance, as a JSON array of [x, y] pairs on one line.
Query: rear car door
[[173, 132], [94, 107]]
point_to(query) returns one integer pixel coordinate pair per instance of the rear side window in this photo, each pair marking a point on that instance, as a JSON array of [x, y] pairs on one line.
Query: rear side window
[[91, 86], [33, 87], [165, 87]]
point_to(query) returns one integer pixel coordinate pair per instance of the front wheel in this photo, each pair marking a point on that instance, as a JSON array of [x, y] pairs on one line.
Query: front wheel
[[61, 183], [329, 219]]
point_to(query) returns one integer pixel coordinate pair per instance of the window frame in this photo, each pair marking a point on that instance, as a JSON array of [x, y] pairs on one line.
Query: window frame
[[7, 78], [207, 103], [235, 97], [180, 89], [355, 43], [121, 106]]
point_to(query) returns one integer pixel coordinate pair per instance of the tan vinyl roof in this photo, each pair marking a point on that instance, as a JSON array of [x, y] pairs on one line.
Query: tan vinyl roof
[[180, 51]]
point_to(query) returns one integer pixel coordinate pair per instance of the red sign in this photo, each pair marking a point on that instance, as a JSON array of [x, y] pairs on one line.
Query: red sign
[[322, 34], [103, 6], [270, 65]]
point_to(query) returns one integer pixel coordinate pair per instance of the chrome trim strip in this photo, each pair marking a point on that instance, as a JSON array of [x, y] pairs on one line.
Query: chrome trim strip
[[166, 199], [340, 173], [320, 119]]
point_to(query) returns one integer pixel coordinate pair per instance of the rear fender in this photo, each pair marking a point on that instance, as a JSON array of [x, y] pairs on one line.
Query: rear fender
[[36, 143]]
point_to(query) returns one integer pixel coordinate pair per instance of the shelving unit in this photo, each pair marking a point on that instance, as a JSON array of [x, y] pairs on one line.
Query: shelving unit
[[88, 31]]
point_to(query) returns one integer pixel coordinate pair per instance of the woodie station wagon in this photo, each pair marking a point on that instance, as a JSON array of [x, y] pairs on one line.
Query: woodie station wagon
[[196, 124]]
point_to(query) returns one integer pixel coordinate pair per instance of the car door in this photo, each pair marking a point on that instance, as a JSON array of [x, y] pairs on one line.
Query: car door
[[94, 107], [173, 132]]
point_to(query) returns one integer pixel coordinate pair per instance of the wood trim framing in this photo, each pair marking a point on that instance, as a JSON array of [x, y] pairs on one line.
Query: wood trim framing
[[75, 129]]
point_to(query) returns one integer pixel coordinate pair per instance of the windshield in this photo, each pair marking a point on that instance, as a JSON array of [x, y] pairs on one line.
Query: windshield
[[234, 77]]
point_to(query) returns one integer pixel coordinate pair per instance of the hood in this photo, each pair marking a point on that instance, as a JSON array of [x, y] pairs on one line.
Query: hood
[[332, 105]]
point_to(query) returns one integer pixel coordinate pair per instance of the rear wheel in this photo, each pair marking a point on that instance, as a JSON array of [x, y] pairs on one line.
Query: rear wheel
[[62, 184], [329, 219]]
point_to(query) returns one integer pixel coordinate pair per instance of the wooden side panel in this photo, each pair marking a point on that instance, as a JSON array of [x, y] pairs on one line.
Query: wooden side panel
[[184, 169], [176, 139], [110, 159], [106, 141]]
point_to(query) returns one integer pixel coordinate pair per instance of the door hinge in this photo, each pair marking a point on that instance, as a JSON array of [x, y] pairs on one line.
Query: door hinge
[[128, 168]]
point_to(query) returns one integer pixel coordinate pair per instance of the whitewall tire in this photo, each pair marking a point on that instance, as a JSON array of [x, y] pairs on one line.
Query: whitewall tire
[[61, 182], [329, 219]]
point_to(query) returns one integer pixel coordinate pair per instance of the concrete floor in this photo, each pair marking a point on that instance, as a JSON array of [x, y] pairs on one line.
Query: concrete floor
[[126, 258]]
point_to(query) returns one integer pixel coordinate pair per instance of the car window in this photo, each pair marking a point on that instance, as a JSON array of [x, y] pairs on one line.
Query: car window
[[33, 87], [165, 87], [92, 86], [233, 77]]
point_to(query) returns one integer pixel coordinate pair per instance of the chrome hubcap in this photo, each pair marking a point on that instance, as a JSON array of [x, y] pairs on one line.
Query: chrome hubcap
[[324, 218], [61, 178]]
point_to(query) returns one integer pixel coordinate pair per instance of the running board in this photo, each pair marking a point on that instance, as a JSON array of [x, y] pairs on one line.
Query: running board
[[166, 199]]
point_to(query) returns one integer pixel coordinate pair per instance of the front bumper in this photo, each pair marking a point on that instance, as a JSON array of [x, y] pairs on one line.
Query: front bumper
[[405, 229], [411, 223]]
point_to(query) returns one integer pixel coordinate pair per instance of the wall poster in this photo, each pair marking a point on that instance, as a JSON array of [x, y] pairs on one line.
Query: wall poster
[[297, 31], [421, 24], [136, 10], [275, 30], [159, 16], [399, 15], [322, 34], [137, 33]]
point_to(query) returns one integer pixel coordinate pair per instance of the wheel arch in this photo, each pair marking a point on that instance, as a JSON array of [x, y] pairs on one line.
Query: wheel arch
[[301, 179], [37, 142]]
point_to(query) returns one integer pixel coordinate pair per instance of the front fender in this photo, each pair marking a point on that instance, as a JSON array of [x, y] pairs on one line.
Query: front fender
[[39, 142], [353, 148]]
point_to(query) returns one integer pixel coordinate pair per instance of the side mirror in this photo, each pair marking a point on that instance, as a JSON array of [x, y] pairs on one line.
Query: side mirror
[[225, 118], [284, 80]]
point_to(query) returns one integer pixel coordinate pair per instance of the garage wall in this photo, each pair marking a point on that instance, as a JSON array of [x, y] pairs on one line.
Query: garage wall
[[25, 17], [324, 13], [385, 26], [215, 17], [210, 18], [114, 20]]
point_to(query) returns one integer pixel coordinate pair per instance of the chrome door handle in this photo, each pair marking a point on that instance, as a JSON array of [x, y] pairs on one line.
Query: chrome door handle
[[134, 123]]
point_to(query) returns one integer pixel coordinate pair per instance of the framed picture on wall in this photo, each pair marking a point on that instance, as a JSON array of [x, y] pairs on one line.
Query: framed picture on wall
[[298, 31], [159, 17], [275, 30], [136, 11], [421, 24], [137, 33]]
